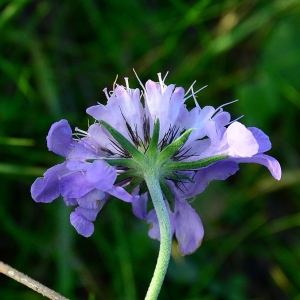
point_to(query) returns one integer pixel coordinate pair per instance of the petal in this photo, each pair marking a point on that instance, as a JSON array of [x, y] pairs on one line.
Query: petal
[[90, 214], [120, 193], [220, 170], [59, 138], [46, 189], [262, 139], [241, 141], [70, 201], [188, 228], [74, 185], [91, 200], [74, 165], [154, 227], [154, 231], [81, 224], [139, 206], [101, 175], [222, 118], [268, 161]]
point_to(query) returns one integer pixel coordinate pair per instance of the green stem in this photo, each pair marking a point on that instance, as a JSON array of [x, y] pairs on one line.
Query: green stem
[[152, 181]]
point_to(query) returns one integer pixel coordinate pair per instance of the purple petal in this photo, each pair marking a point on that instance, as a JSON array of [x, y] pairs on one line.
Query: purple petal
[[222, 118], [139, 206], [46, 189], [268, 161], [74, 185], [91, 200], [90, 214], [81, 224], [96, 111], [154, 231], [120, 193], [241, 141], [262, 139], [74, 165], [70, 201], [188, 228], [154, 227], [59, 138], [101, 175], [220, 170]]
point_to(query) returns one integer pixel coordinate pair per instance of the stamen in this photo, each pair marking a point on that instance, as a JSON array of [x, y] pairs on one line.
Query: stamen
[[165, 76], [219, 109], [194, 93], [190, 88], [106, 93], [82, 132], [115, 84], [127, 83], [139, 81], [235, 119]]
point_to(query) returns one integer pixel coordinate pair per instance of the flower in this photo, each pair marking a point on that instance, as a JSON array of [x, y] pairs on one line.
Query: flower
[[149, 128], [86, 184]]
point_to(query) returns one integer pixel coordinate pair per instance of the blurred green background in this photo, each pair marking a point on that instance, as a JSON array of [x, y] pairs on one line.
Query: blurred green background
[[55, 59]]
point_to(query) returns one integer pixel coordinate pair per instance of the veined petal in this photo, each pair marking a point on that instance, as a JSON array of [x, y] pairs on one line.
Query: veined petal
[[139, 206], [90, 214], [154, 231], [241, 141], [121, 193], [261, 138], [46, 189], [59, 138], [82, 225], [220, 170], [74, 185], [101, 175], [268, 161], [91, 200], [188, 228]]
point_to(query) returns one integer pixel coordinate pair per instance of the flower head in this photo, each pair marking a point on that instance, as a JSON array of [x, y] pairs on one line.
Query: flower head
[[138, 130]]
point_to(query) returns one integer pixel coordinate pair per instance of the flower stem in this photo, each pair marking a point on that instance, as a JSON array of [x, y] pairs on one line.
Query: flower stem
[[152, 181], [29, 282]]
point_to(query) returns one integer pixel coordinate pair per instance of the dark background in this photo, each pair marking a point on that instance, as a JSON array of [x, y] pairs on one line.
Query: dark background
[[55, 59]]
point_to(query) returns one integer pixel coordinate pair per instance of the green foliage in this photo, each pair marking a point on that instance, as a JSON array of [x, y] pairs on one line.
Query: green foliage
[[55, 59]]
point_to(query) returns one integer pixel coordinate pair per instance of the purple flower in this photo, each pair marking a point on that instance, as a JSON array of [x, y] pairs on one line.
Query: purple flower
[[149, 128], [82, 183]]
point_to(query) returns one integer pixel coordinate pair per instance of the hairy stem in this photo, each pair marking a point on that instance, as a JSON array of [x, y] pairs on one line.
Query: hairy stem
[[152, 181], [29, 282]]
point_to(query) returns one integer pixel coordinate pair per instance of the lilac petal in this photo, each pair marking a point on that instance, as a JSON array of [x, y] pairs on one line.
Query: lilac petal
[[262, 139], [81, 224], [46, 189], [220, 170], [120, 193], [74, 185], [139, 206], [91, 200], [99, 135], [268, 161], [70, 201], [154, 227], [222, 118], [74, 165], [83, 149], [154, 231], [96, 111], [90, 214], [241, 141], [59, 138], [101, 175], [188, 228]]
